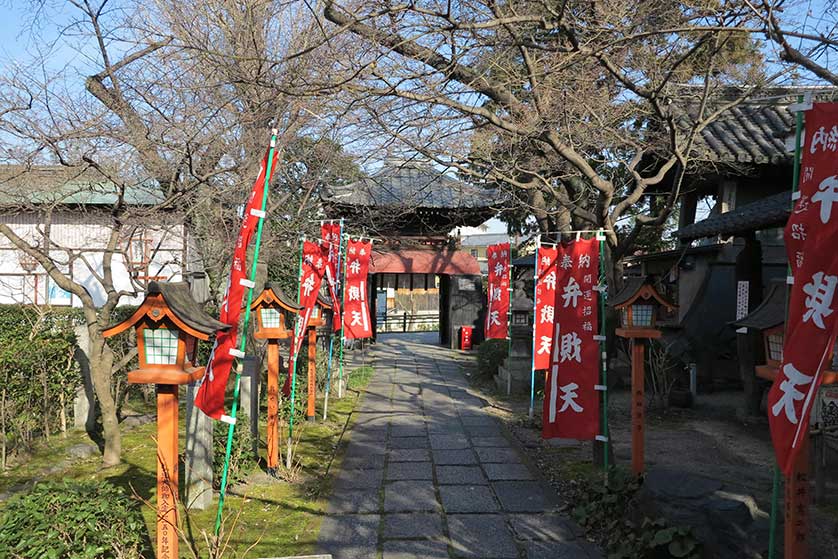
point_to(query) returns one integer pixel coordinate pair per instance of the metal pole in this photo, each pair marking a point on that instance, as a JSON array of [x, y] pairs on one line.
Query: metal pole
[[509, 324], [795, 183], [534, 323], [603, 296], [336, 279], [343, 317], [243, 335], [297, 332]]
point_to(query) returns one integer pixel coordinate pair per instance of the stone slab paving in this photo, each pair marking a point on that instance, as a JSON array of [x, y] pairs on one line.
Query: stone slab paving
[[428, 474]]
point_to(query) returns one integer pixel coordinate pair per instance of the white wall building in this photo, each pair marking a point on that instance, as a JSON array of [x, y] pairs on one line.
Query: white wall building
[[74, 211]]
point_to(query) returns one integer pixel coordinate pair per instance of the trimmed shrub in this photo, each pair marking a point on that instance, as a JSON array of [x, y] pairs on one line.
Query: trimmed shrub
[[38, 373], [74, 520], [490, 355]]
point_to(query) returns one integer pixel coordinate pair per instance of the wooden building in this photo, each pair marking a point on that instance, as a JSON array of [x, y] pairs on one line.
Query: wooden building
[[421, 279], [724, 264]]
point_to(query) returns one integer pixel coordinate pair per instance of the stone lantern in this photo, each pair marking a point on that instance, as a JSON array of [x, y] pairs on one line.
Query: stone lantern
[[273, 309], [639, 304], [514, 374], [169, 324]]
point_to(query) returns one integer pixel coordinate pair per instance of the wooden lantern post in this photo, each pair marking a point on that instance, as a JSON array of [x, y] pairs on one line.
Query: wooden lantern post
[[271, 308], [168, 325], [639, 304], [316, 321]]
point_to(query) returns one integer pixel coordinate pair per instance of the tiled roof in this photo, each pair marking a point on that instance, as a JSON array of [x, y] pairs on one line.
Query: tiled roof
[[755, 131], [411, 184], [772, 211], [56, 184], [280, 294], [179, 299], [631, 285], [769, 313]]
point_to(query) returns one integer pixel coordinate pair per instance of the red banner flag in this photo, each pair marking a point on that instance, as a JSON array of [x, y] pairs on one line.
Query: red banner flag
[[313, 266], [571, 403], [545, 300], [810, 244], [497, 311], [210, 396], [330, 235], [356, 310]]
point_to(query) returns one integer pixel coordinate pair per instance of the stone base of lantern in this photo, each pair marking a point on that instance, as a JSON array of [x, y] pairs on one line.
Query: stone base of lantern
[[514, 375]]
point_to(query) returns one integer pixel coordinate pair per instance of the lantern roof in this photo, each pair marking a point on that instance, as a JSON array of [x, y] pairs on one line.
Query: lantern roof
[[274, 293], [771, 312], [637, 287], [324, 301], [182, 309]]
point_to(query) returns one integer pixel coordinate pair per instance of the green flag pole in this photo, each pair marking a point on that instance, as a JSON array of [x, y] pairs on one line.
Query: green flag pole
[[343, 308], [509, 316], [534, 325], [795, 184], [297, 332], [332, 335], [243, 335], [603, 296]]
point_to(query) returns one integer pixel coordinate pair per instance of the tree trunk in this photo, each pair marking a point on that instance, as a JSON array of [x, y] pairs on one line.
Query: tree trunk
[[101, 362], [62, 414]]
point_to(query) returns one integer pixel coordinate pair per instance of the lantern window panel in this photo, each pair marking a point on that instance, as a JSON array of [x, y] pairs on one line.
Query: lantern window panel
[[641, 314], [271, 318], [775, 347], [161, 346]]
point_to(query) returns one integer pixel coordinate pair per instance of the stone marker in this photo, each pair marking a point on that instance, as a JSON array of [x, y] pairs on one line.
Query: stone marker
[[84, 406], [198, 464], [249, 398]]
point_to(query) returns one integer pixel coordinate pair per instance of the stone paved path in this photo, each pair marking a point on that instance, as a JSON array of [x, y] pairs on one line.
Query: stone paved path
[[429, 474]]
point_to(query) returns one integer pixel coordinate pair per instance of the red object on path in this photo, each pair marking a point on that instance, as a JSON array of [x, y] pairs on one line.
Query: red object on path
[[571, 402], [466, 335]]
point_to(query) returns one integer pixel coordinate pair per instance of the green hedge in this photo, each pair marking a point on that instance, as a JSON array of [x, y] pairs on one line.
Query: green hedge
[[37, 370], [73, 520], [490, 355]]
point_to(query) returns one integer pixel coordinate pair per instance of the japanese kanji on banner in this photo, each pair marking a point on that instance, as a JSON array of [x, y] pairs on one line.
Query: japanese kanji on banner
[[497, 311], [210, 396], [571, 403], [313, 267], [330, 235], [356, 309], [810, 238], [545, 300]]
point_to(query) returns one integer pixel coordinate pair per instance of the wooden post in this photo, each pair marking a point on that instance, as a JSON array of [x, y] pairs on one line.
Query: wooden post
[[312, 372], [167, 467], [273, 405], [796, 531], [638, 406]]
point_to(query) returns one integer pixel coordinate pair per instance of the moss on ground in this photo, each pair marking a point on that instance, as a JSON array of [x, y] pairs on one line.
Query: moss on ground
[[264, 517]]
